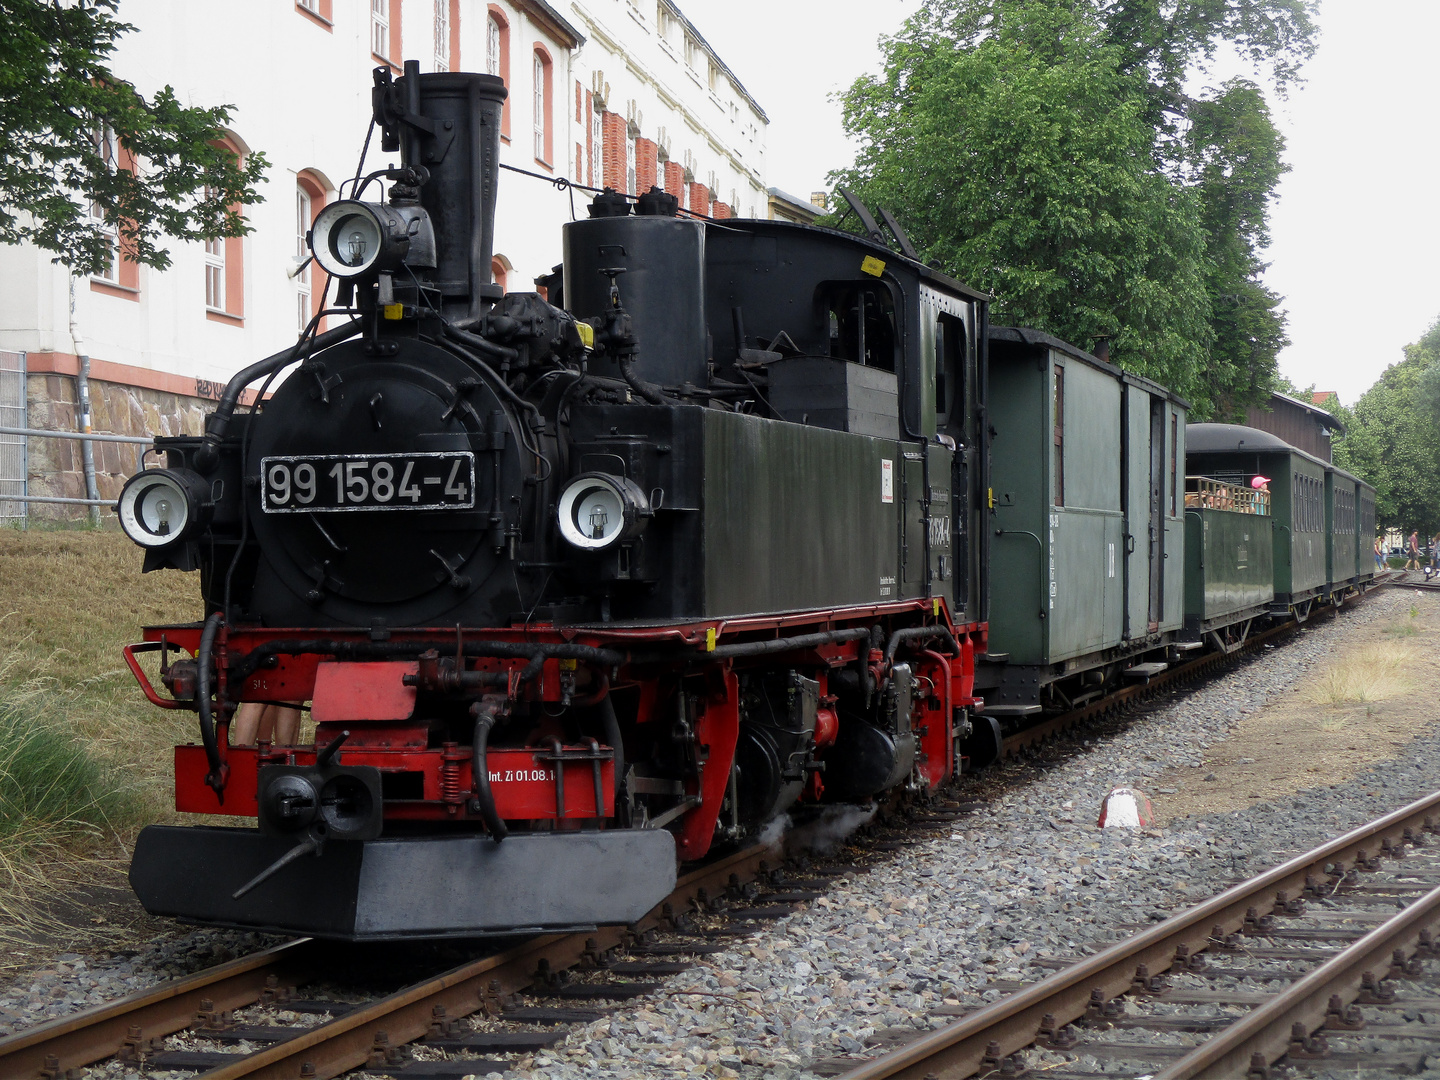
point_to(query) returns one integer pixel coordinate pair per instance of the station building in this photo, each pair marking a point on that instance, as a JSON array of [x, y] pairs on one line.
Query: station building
[[619, 93]]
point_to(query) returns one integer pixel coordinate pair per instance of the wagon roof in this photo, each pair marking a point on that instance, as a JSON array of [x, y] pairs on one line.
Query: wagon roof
[[1026, 335]]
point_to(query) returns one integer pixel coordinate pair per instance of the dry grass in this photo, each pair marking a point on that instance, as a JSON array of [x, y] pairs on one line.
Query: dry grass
[[68, 601], [1369, 674]]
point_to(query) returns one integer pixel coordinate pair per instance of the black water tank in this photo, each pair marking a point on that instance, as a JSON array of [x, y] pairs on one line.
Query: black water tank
[[663, 288]]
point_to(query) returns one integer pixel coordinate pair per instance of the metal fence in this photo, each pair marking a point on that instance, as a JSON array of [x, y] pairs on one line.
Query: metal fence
[[13, 464]]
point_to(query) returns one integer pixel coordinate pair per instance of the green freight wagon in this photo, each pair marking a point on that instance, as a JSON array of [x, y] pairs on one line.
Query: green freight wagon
[[1229, 560], [1236, 454], [1086, 525]]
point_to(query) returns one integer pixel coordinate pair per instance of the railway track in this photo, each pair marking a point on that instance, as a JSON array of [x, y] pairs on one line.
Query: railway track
[[1298, 963], [251, 1018], [326, 1037]]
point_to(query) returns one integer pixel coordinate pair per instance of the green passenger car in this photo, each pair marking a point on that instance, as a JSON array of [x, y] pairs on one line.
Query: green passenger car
[[1350, 532], [1086, 527], [1229, 559], [1238, 454]]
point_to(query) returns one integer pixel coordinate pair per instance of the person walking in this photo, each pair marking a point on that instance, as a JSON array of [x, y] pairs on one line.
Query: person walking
[[1412, 551], [1379, 554]]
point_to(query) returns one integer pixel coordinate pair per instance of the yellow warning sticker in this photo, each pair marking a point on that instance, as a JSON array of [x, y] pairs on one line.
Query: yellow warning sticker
[[394, 311], [568, 665], [710, 639], [587, 334], [937, 607], [872, 266]]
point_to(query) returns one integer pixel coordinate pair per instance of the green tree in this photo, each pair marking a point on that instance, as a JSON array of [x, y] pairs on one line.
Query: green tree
[[63, 116], [1392, 439], [1047, 150]]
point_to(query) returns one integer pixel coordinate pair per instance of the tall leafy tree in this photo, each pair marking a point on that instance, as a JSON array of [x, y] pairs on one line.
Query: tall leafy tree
[[1052, 151], [85, 156], [1392, 438]]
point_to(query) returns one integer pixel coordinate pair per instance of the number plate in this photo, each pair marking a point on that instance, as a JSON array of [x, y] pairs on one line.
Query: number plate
[[334, 482]]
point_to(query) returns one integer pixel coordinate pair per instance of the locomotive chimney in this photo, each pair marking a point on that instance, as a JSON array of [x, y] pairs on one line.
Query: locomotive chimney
[[448, 123], [1102, 349]]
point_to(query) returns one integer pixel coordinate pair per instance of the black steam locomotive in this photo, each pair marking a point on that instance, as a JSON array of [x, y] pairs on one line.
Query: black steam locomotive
[[578, 584]]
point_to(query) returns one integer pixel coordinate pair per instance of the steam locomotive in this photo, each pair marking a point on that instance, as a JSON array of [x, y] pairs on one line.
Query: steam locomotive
[[583, 584], [577, 585]]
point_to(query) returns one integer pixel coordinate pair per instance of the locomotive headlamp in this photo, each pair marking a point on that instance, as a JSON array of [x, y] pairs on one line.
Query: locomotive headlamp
[[598, 509], [351, 239], [160, 506]]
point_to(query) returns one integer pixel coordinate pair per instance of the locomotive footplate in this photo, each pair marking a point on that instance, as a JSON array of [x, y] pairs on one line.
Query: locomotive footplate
[[375, 890]]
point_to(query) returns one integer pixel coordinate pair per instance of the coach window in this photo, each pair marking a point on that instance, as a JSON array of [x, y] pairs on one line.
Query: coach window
[[949, 368], [1059, 435], [862, 323], [1174, 463], [497, 59]]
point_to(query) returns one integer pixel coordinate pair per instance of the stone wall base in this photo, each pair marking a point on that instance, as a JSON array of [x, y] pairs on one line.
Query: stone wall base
[[55, 466]]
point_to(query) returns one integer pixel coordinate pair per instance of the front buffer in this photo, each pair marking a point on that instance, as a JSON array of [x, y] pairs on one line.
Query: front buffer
[[420, 887]]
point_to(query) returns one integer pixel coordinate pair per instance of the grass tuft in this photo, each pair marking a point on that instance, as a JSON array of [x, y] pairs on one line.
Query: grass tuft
[[54, 789], [1371, 673]]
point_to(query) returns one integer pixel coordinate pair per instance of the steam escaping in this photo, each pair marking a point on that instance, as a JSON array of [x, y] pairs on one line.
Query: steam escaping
[[774, 829], [827, 830]]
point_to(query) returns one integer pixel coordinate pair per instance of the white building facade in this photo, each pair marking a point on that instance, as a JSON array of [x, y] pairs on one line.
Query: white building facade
[[618, 93]]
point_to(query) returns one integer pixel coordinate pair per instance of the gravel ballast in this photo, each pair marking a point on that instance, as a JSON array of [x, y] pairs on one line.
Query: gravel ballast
[[1029, 875]]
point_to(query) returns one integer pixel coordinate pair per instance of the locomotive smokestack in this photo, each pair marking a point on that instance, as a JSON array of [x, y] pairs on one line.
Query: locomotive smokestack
[[449, 124]]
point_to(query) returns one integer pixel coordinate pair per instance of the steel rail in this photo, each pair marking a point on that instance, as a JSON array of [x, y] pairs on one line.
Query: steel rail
[[73, 1041], [1267, 1029], [346, 1042], [1014, 1022]]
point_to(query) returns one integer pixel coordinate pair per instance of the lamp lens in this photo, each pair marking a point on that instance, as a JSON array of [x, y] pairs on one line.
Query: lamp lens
[[355, 240]]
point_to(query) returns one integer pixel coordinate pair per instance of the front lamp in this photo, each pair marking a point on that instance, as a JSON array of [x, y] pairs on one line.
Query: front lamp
[[351, 239], [597, 510], [160, 506]]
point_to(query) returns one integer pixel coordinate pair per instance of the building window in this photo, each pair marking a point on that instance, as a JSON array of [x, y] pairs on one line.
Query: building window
[[630, 163], [317, 11], [225, 267], [544, 95], [597, 148], [380, 28], [108, 147], [497, 58], [214, 272], [1059, 434], [303, 218], [442, 35]]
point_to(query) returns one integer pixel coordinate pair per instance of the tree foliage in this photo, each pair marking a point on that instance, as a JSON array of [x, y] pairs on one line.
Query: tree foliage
[[1392, 438], [1049, 150], [63, 111]]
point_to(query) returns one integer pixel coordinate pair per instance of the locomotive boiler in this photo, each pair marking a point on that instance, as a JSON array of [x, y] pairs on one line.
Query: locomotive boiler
[[576, 584]]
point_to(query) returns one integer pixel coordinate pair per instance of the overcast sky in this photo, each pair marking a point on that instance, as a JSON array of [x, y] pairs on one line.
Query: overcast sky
[[1356, 249]]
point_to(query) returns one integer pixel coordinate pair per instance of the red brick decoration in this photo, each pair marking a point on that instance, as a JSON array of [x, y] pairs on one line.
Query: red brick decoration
[[675, 180], [722, 210], [647, 165], [699, 200], [612, 129]]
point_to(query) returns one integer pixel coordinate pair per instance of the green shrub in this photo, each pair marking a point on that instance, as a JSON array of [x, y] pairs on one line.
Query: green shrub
[[53, 787]]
